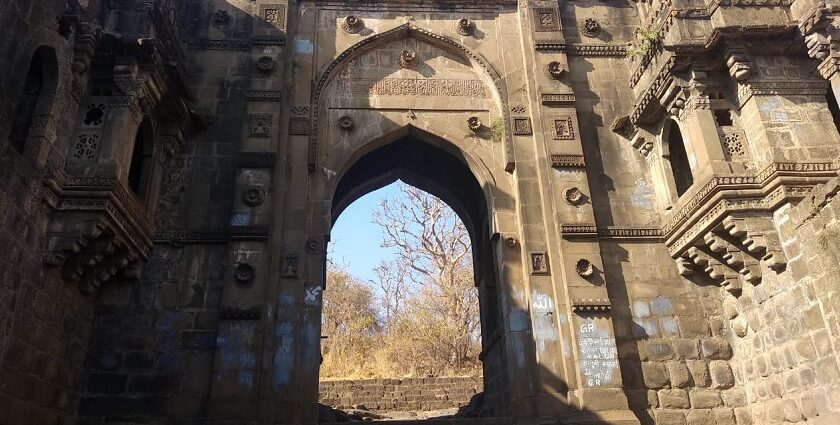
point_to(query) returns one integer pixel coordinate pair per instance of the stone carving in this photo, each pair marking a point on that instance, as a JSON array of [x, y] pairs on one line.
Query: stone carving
[[518, 109], [590, 27], [345, 87], [289, 267], [573, 195], [408, 58], [474, 123], [259, 125], [274, 15], [313, 246], [221, 19], [352, 24], [539, 263], [95, 115], [299, 126], [345, 123], [244, 273], [264, 95], [555, 69], [584, 268], [511, 241], [253, 196], [546, 19], [86, 147], [522, 127], [464, 26], [265, 64], [563, 128]]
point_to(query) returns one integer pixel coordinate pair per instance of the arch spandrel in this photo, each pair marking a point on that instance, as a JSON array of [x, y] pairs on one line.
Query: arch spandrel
[[448, 78]]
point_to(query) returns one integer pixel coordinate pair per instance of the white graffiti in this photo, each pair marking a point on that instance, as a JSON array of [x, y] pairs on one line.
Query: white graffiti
[[542, 303], [313, 293]]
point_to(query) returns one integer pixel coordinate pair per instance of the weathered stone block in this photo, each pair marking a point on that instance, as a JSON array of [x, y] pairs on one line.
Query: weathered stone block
[[679, 374], [704, 399], [673, 399], [700, 417], [721, 373], [716, 349], [671, 417], [699, 372], [655, 375]]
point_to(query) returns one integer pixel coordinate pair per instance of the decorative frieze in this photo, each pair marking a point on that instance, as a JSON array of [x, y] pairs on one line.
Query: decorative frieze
[[557, 99], [591, 50], [592, 231], [240, 314], [591, 305], [264, 95], [567, 161]]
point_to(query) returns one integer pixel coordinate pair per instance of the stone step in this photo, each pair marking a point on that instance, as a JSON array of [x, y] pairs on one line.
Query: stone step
[[457, 421]]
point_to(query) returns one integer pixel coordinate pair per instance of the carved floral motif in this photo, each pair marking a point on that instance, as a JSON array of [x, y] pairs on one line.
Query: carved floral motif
[[352, 24], [408, 58]]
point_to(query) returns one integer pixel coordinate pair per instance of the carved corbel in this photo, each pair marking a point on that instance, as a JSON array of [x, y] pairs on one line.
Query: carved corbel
[[758, 235], [739, 63]]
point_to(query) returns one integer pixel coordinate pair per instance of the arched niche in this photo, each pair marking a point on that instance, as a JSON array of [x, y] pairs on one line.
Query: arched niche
[[675, 153]]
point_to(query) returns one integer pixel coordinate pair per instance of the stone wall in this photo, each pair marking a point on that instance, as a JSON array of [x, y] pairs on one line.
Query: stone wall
[[403, 394]]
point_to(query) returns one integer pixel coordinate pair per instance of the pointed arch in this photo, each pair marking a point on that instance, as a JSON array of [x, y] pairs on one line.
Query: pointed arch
[[328, 73]]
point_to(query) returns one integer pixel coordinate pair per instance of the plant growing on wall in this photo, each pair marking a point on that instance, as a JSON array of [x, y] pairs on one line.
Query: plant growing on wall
[[497, 130], [644, 39]]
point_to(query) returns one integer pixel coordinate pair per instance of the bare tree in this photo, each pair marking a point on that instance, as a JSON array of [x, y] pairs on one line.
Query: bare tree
[[392, 281], [434, 247]]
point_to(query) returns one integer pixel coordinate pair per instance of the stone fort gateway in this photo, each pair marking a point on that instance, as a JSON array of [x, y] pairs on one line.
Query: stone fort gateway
[[649, 187]]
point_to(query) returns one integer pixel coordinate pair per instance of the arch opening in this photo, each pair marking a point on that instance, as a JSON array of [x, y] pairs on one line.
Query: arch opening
[[445, 174], [678, 159], [36, 98], [141, 159]]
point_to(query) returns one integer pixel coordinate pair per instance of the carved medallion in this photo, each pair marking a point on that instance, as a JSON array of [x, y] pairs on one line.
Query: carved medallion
[[584, 268], [244, 273], [510, 241], [474, 123], [352, 24], [265, 64], [259, 125], [563, 129], [590, 27], [464, 26], [573, 195], [253, 196], [408, 59], [522, 126], [546, 19], [555, 69], [539, 263], [345, 123], [313, 246], [221, 19]]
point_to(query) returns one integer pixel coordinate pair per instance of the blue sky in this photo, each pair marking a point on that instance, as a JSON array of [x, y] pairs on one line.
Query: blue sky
[[356, 241]]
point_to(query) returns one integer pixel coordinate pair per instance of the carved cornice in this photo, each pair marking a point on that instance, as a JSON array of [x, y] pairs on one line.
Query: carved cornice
[[212, 237], [591, 305], [588, 50], [567, 161], [234, 44], [771, 88]]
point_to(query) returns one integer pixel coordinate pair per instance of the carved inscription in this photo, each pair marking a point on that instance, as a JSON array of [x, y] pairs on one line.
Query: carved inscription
[[346, 87], [546, 19], [598, 355], [563, 129], [539, 263]]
